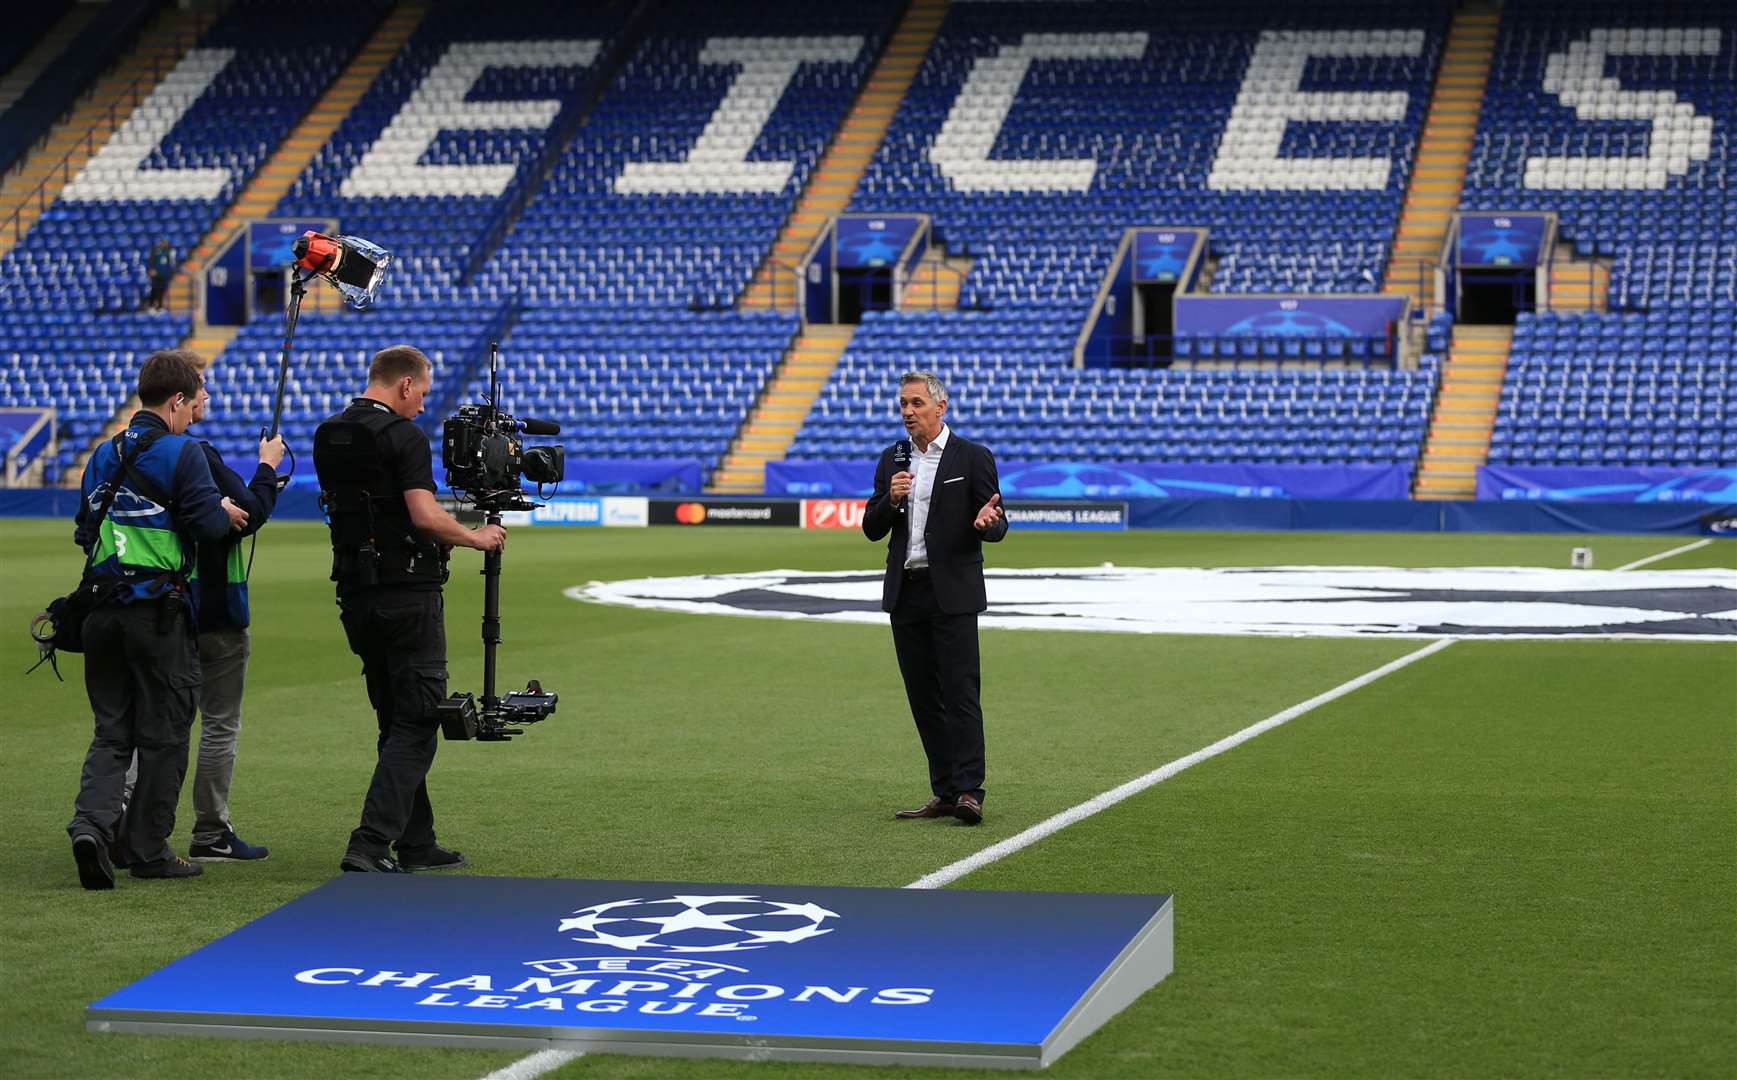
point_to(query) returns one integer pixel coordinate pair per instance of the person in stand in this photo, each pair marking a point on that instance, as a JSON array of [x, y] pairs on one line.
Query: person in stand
[[161, 264], [390, 541], [141, 667], [938, 498]]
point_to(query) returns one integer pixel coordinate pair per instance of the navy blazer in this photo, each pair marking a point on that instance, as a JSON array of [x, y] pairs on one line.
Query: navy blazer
[[954, 544]]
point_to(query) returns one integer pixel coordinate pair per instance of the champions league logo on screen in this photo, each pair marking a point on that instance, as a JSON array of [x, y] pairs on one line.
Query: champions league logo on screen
[[655, 984]]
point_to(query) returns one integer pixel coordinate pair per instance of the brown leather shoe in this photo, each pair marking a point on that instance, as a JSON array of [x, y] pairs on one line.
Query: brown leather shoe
[[968, 810], [936, 807]]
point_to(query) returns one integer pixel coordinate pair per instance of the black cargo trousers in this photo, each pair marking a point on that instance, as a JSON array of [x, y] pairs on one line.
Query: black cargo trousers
[[141, 671], [400, 635]]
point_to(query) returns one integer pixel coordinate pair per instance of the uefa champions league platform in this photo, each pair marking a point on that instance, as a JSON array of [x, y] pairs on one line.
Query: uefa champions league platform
[[758, 972]]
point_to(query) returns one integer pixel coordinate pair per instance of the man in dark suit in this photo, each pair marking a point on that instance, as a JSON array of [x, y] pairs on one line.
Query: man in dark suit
[[939, 498]]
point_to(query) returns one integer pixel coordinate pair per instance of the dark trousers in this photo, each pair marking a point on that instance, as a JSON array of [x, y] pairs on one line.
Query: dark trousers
[[938, 658], [400, 634], [141, 670]]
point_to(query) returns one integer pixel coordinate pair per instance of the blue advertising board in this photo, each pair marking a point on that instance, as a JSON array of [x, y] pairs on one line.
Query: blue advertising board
[[1290, 316], [270, 244], [1503, 240], [763, 971], [1164, 255], [868, 242], [1585, 483], [224, 286], [1123, 480]]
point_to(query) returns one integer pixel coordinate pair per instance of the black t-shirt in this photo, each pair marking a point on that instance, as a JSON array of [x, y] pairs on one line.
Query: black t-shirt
[[409, 459]]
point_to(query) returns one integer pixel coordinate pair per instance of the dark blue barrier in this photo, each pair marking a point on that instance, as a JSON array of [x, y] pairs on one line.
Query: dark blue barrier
[[1124, 480], [633, 476], [1585, 517], [1606, 483]]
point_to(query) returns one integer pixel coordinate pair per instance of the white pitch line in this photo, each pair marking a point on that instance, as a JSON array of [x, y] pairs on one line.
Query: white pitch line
[[1638, 563], [995, 852], [534, 1065], [543, 1061]]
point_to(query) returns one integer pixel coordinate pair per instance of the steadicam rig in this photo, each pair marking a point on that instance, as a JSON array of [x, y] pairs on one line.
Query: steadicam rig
[[486, 462]]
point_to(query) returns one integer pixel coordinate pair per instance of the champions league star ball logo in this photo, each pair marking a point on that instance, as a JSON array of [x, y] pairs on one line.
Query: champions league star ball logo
[[1286, 321], [696, 924]]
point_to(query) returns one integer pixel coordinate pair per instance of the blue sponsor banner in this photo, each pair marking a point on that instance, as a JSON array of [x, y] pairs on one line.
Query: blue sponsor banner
[[1501, 240], [851, 974], [1123, 480], [270, 243], [1162, 255], [1070, 515], [1290, 316], [1578, 483], [613, 511], [866, 243]]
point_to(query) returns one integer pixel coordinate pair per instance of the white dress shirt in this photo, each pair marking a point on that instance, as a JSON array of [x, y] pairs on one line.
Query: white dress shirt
[[924, 465]]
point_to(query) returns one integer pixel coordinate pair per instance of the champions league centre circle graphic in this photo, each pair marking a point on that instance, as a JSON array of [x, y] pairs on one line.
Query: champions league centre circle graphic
[[696, 924], [1302, 601]]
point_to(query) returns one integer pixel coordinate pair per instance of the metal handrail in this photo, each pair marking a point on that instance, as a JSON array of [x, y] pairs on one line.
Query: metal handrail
[[132, 95], [795, 269], [941, 267]]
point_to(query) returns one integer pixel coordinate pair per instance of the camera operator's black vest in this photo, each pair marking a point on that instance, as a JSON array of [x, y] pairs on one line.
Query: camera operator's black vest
[[374, 541]]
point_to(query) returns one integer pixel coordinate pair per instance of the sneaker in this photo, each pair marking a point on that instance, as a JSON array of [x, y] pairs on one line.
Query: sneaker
[[355, 862], [172, 867], [435, 858], [228, 848], [94, 870]]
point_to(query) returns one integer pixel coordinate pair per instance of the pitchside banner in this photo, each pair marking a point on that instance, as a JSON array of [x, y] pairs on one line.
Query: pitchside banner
[[726, 512], [891, 976], [1096, 516], [1572, 483], [1124, 480], [612, 511], [1290, 316]]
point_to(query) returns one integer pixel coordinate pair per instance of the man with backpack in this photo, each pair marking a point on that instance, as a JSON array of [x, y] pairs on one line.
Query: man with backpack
[[148, 497]]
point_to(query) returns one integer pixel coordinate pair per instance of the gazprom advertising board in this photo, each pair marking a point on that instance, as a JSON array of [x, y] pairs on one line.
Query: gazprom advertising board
[[936, 977]]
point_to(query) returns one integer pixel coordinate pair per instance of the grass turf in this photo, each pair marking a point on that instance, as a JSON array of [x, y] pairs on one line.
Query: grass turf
[[1510, 858]]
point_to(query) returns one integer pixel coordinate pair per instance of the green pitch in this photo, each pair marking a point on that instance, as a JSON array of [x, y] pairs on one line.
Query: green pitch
[[1511, 858]]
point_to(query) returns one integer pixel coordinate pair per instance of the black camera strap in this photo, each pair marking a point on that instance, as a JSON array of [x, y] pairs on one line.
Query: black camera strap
[[127, 455]]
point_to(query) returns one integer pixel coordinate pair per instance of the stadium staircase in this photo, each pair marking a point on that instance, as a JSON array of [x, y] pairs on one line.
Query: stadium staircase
[[1580, 285], [273, 180], [1443, 153], [44, 53], [936, 282], [51, 166], [807, 365], [848, 157], [776, 417], [1465, 413]]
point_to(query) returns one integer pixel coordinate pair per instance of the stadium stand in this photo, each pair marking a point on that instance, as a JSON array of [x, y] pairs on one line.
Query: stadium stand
[[1620, 119], [448, 135], [1036, 133]]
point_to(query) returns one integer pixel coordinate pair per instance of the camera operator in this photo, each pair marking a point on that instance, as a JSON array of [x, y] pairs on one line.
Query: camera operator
[[390, 541]]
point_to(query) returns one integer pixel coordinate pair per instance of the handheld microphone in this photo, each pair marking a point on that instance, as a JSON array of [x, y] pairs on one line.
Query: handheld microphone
[[902, 463], [532, 426]]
